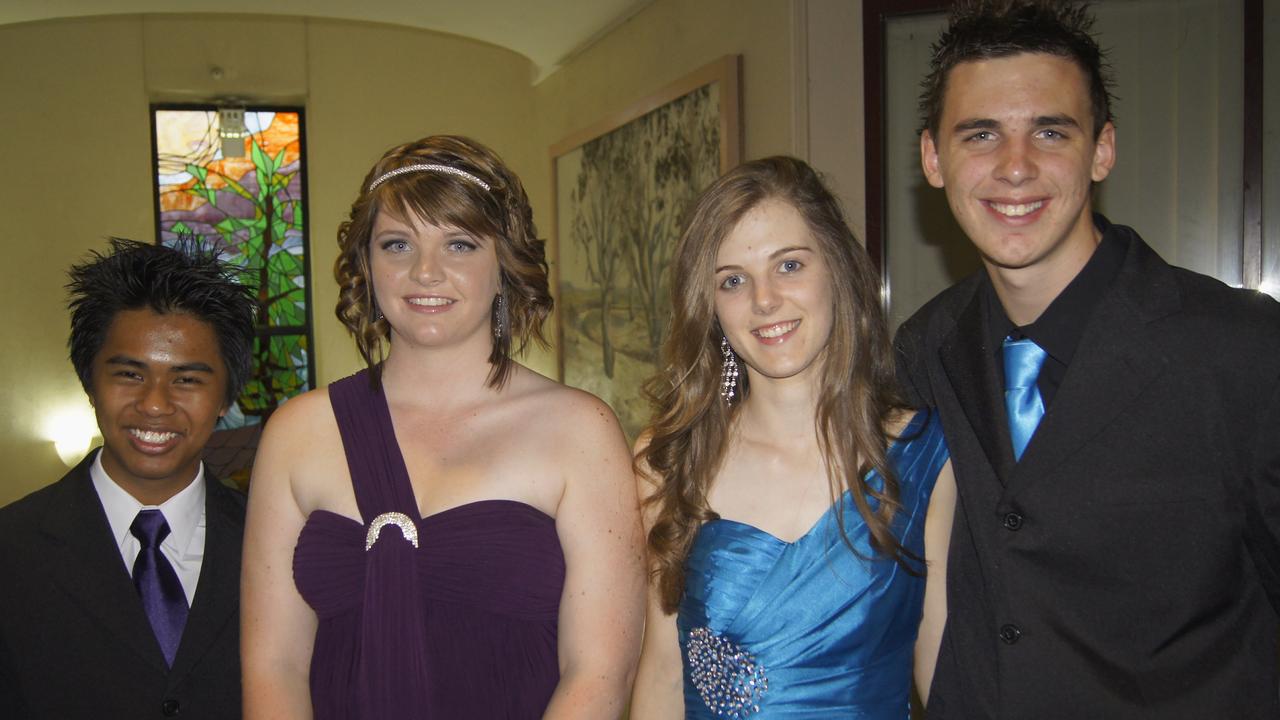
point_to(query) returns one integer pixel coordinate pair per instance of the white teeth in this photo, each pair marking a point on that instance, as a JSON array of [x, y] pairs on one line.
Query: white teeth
[[153, 438], [430, 301], [780, 329], [1017, 210]]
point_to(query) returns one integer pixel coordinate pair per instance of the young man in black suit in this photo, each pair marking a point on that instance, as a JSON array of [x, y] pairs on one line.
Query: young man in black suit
[[1114, 422], [122, 579]]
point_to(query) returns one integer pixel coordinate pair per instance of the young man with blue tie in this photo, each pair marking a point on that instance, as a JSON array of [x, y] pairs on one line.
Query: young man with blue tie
[[1114, 422], [122, 579]]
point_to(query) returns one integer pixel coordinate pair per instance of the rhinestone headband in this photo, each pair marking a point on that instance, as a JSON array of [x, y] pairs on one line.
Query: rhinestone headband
[[429, 167]]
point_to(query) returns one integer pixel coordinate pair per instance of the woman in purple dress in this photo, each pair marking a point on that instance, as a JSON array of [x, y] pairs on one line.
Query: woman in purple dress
[[445, 534]]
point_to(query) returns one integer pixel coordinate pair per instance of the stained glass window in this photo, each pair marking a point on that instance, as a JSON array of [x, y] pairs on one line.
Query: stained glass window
[[242, 190]]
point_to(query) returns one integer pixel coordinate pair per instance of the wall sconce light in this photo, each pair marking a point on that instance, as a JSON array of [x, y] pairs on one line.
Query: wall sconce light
[[72, 429], [232, 131]]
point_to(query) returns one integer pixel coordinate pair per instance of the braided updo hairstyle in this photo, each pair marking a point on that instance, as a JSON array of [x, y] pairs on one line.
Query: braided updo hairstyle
[[500, 213]]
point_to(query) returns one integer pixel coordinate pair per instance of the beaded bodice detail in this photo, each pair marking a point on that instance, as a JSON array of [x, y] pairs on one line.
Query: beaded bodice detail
[[729, 679]]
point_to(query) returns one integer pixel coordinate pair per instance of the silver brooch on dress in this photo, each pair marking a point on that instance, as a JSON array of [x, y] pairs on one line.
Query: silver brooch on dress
[[727, 677], [400, 520]]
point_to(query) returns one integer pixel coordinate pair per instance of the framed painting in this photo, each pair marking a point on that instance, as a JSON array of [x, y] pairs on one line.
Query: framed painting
[[621, 189]]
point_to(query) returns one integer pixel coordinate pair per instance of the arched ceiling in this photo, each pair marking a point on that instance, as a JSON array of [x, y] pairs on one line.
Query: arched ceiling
[[545, 31]]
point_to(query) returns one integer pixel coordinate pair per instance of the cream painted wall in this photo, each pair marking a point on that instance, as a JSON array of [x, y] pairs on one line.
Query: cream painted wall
[[661, 44], [76, 96], [374, 86], [75, 138], [832, 101]]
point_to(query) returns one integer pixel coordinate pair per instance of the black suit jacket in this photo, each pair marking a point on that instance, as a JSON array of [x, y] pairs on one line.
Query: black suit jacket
[[74, 640], [1129, 565]]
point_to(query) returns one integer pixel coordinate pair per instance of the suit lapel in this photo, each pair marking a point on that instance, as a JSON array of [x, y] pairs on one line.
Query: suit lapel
[[970, 367], [218, 590], [90, 568], [1117, 358]]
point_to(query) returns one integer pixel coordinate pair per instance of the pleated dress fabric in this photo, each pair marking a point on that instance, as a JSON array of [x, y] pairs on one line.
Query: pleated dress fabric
[[809, 629], [449, 616]]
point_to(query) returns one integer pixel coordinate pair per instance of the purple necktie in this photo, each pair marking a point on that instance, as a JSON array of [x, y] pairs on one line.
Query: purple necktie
[[162, 597]]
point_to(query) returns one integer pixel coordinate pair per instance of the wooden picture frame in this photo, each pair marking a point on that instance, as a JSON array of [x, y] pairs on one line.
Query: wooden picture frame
[[620, 188]]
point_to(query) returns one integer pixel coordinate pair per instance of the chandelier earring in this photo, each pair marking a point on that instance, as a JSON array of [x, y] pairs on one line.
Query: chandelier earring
[[729, 377], [500, 317]]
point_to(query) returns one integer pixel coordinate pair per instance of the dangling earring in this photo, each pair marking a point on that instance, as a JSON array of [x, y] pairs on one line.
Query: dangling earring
[[499, 316], [729, 384]]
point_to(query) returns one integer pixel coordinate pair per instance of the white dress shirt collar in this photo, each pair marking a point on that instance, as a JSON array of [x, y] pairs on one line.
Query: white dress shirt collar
[[185, 513]]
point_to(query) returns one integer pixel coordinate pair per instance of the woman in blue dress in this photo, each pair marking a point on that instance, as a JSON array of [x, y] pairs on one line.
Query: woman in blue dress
[[794, 507]]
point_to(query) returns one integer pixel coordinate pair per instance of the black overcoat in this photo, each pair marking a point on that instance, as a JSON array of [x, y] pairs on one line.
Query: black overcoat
[[74, 640], [1129, 565]]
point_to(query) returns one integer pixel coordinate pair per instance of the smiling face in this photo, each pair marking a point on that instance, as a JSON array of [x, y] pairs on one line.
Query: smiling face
[[435, 285], [773, 293], [159, 385], [1017, 158]]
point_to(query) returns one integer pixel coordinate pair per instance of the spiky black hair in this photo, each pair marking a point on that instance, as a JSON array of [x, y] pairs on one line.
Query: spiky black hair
[[186, 279]]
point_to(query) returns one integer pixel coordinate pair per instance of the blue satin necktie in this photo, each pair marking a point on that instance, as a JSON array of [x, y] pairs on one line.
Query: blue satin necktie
[[1022, 362], [162, 596]]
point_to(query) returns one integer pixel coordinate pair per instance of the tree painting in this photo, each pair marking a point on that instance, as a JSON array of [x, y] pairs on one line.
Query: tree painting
[[598, 231], [251, 209], [622, 197], [680, 157]]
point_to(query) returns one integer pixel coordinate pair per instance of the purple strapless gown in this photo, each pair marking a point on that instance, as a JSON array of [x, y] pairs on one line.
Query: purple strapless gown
[[449, 616]]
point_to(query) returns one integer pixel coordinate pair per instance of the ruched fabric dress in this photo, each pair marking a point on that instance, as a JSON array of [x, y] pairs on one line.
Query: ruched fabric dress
[[449, 616], [808, 629]]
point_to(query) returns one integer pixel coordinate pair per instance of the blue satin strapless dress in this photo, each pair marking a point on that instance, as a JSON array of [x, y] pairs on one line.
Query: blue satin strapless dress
[[808, 629]]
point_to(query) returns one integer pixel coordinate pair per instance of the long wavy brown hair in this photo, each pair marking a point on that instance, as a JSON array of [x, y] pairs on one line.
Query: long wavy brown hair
[[692, 424], [501, 214]]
